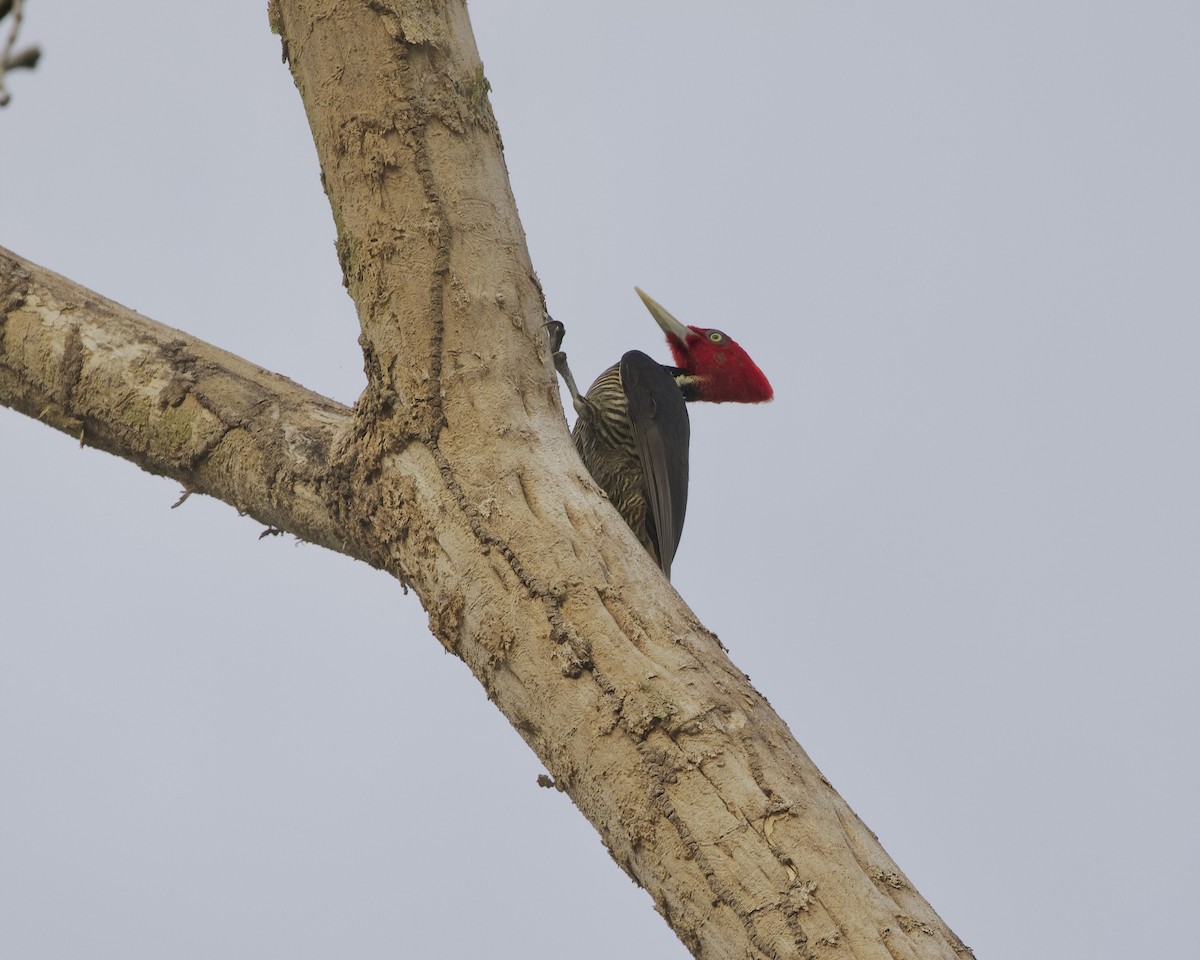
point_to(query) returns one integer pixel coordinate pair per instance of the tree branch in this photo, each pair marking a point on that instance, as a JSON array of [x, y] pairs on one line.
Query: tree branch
[[455, 473], [170, 403], [25, 59]]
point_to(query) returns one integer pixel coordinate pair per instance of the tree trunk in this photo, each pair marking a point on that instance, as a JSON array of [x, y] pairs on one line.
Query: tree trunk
[[455, 473]]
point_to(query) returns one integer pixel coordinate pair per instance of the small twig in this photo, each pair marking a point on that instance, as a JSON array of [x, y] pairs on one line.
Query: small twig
[[17, 7], [183, 495], [26, 58]]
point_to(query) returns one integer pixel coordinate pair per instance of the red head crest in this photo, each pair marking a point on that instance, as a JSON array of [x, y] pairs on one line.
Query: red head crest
[[715, 368]]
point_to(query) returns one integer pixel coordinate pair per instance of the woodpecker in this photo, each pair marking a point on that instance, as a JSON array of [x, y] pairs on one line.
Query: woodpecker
[[633, 429]]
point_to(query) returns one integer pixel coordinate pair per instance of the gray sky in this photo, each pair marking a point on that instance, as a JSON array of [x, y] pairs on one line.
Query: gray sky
[[960, 552]]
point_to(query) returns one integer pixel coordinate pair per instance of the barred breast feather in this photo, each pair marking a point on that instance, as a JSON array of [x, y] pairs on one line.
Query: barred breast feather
[[633, 437]]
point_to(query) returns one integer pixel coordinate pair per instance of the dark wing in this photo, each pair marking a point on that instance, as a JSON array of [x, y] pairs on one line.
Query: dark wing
[[661, 433]]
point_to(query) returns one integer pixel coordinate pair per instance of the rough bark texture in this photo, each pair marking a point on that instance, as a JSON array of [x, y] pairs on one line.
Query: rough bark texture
[[455, 473], [172, 404]]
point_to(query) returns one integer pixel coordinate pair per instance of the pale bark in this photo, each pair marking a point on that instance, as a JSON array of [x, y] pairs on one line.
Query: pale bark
[[170, 403], [455, 473]]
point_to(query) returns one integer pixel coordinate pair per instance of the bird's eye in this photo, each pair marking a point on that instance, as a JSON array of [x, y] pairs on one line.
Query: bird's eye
[[716, 336]]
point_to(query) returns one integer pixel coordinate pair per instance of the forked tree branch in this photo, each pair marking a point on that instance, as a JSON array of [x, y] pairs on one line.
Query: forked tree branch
[[455, 473]]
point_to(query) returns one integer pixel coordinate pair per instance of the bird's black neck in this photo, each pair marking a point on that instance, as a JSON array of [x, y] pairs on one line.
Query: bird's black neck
[[686, 382]]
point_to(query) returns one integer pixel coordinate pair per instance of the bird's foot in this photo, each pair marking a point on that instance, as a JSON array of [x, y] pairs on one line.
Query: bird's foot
[[555, 331]]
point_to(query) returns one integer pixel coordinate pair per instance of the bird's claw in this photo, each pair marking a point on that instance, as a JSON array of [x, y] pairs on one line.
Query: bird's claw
[[556, 331]]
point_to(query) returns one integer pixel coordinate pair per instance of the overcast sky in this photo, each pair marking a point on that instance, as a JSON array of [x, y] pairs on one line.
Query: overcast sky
[[960, 552]]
